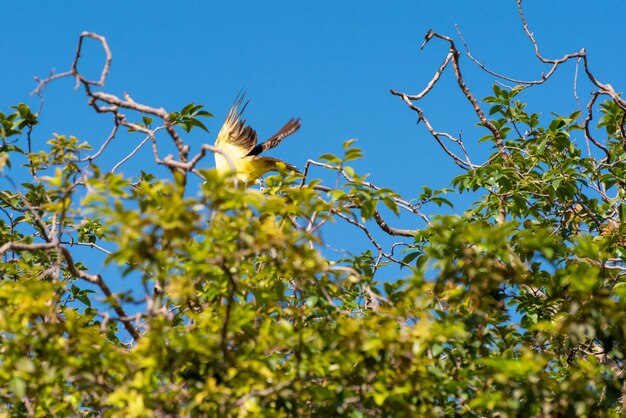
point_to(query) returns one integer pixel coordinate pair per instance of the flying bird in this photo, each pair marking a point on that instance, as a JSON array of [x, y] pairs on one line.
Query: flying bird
[[239, 142]]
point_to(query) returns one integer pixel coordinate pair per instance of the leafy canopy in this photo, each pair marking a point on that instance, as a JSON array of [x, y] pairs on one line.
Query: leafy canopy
[[226, 301]]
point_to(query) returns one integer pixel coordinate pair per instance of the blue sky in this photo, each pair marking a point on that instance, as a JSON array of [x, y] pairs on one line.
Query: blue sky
[[331, 63]]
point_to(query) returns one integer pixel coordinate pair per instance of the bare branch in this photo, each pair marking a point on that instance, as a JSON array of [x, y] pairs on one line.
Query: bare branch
[[113, 104], [594, 97], [393, 231], [136, 149], [18, 246], [453, 56], [433, 81], [466, 165], [74, 69]]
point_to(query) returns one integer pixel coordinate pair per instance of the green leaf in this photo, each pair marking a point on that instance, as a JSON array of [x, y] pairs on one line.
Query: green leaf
[[196, 122], [352, 154], [311, 301], [410, 257], [392, 205], [347, 144], [330, 158], [495, 109]]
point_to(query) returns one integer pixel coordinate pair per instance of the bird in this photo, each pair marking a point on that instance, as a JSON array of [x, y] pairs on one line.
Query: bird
[[238, 141]]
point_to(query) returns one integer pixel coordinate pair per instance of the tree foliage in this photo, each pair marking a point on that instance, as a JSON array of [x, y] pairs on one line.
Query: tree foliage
[[227, 304]]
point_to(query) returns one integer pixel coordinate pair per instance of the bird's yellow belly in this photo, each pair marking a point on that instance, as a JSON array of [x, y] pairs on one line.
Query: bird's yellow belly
[[243, 168]]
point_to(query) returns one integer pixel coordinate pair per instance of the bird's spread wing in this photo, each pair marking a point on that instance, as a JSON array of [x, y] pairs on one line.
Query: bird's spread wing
[[235, 137], [289, 128]]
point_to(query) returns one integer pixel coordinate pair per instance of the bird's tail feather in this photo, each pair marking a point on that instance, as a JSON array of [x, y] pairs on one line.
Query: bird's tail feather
[[262, 165]]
